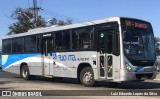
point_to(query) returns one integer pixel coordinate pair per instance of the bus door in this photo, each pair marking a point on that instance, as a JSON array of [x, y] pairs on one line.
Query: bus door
[[47, 56], [107, 51]]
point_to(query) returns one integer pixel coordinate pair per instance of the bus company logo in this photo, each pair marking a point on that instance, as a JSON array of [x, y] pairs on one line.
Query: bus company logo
[[67, 57], [64, 57], [134, 67], [54, 56], [6, 93]]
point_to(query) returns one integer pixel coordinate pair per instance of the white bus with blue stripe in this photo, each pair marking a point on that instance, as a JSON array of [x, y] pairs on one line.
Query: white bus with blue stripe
[[113, 49]]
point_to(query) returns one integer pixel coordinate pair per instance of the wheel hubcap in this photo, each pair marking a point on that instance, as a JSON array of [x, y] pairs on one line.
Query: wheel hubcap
[[87, 77], [25, 73]]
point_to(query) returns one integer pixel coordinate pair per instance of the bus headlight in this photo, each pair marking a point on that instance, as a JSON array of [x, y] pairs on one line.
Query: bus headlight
[[128, 67]]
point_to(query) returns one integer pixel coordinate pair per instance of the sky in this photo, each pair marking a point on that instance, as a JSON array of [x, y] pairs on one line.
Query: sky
[[85, 10]]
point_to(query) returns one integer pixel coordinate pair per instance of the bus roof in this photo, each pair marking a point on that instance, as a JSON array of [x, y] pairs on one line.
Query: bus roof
[[58, 28]]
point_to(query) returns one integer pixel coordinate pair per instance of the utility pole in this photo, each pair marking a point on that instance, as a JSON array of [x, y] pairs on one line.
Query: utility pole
[[35, 9]]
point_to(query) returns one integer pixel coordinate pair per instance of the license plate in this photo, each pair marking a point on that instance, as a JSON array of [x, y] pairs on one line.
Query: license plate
[[143, 78]]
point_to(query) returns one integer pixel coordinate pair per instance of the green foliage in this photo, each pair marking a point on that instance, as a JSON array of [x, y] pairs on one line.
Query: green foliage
[[157, 46], [24, 20], [157, 39], [54, 21]]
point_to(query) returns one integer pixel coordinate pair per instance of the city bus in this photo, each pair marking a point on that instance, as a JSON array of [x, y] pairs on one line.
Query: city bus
[[113, 49]]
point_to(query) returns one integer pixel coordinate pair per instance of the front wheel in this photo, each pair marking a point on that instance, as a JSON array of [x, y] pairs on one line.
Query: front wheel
[[87, 77]]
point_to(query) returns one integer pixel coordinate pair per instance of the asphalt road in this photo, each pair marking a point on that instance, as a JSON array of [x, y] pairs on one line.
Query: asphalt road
[[68, 87]]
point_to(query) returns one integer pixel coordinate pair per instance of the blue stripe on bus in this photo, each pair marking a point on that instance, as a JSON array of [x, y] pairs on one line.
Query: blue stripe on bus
[[10, 59], [138, 68], [135, 68]]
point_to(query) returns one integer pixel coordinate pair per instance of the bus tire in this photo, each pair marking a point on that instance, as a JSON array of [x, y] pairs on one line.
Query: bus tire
[[87, 77], [25, 72]]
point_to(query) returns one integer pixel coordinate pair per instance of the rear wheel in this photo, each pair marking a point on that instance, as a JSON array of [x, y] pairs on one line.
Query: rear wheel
[[87, 77], [25, 72]]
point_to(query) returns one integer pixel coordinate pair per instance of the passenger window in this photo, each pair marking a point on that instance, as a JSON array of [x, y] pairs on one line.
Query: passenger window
[[30, 44], [58, 41], [66, 40], [18, 45], [62, 40], [7, 46], [75, 43], [38, 46], [82, 38]]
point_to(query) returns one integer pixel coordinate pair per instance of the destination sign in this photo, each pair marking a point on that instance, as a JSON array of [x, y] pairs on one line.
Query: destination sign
[[136, 24]]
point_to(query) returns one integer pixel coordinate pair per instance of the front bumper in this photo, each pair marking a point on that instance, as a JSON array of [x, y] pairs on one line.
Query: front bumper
[[133, 76]]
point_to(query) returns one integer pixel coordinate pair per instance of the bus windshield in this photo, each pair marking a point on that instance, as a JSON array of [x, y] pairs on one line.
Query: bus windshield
[[138, 41]]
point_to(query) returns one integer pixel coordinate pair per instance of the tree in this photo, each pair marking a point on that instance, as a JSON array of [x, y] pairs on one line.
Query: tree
[[157, 39], [54, 21], [24, 21]]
